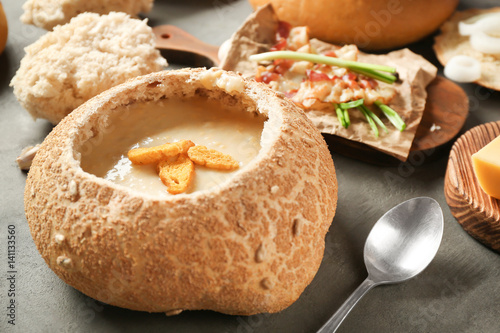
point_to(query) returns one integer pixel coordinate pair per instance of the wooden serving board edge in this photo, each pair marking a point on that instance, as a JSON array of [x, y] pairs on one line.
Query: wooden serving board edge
[[475, 211]]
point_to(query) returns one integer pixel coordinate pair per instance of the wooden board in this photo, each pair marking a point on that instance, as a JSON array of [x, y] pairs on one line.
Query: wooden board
[[477, 212], [446, 109]]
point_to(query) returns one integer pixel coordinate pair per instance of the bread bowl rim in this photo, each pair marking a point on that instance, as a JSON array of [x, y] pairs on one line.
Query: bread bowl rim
[[97, 104]]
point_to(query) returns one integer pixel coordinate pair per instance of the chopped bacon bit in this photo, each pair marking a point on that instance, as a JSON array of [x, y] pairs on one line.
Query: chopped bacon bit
[[267, 77], [281, 36], [330, 54], [353, 85], [368, 83], [350, 76], [282, 65], [351, 80], [283, 30], [314, 76], [291, 93], [280, 45]]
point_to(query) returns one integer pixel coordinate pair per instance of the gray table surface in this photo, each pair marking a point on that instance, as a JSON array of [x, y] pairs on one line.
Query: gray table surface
[[458, 292]]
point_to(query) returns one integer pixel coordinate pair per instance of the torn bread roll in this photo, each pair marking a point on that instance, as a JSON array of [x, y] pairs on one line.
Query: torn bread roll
[[81, 59], [251, 244], [450, 43], [47, 14]]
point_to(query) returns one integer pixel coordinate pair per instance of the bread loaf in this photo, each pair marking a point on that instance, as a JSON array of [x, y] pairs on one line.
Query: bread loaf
[[370, 24]]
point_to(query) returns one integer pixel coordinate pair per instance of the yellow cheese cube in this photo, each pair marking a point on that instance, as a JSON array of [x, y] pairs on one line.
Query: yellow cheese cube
[[487, 167]]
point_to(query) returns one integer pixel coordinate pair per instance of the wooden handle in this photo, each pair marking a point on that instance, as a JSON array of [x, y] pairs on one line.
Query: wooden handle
[[170, 37], [477, 212]]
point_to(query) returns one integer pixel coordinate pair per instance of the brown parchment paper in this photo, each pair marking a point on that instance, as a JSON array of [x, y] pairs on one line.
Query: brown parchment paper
[[414, 71]]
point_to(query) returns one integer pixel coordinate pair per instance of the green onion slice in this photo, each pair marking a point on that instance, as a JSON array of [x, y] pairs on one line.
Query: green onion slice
[[352, 104], [371, 70], [370, 120], [392, 115]]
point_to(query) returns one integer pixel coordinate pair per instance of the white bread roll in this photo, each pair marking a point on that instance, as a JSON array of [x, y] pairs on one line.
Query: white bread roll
[[370, 24], [49, 13], [81, 59]]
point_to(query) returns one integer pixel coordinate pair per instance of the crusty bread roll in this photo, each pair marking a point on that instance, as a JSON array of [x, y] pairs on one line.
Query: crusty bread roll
[[248, 245], [3, 29], [79, 60], [450, 43], [370, 24], [49, 13]]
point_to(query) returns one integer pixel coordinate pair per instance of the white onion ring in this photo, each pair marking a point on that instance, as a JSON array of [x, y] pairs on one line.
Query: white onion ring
[[462, 68], [488, 23], [484, 43]]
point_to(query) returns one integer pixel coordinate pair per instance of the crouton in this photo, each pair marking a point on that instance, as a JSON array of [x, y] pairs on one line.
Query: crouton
[[176, 175], [156, 154], [212, 158]]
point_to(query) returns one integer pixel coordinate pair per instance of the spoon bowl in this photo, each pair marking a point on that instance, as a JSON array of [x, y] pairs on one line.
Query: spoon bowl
[[402, 244], [404, 240]]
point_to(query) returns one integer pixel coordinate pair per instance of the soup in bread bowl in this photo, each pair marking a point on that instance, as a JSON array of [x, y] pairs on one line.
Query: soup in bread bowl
[[240, 241]]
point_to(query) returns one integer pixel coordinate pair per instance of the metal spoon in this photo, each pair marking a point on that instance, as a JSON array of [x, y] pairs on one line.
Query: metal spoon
[[401, 245]]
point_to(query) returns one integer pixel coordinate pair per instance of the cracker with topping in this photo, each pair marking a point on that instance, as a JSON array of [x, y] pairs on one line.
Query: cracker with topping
[[318, 89]]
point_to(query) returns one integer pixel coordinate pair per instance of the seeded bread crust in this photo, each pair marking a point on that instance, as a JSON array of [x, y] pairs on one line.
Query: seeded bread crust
[[450, 43], [250, 245]]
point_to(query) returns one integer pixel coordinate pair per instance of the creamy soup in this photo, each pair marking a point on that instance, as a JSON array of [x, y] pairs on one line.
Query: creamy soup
[[150, 124]]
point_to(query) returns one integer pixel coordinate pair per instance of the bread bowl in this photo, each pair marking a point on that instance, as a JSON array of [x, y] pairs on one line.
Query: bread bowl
[[371, 24], [250, 244]]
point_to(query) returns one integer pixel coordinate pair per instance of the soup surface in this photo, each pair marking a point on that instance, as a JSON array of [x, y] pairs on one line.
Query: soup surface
[[149, 124]]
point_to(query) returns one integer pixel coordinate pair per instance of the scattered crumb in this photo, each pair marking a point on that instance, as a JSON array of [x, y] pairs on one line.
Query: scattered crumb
[[26, 157], [435, 127]]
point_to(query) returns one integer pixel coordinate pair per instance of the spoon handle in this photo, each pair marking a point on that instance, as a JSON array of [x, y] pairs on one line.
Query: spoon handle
[[334, 322]]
